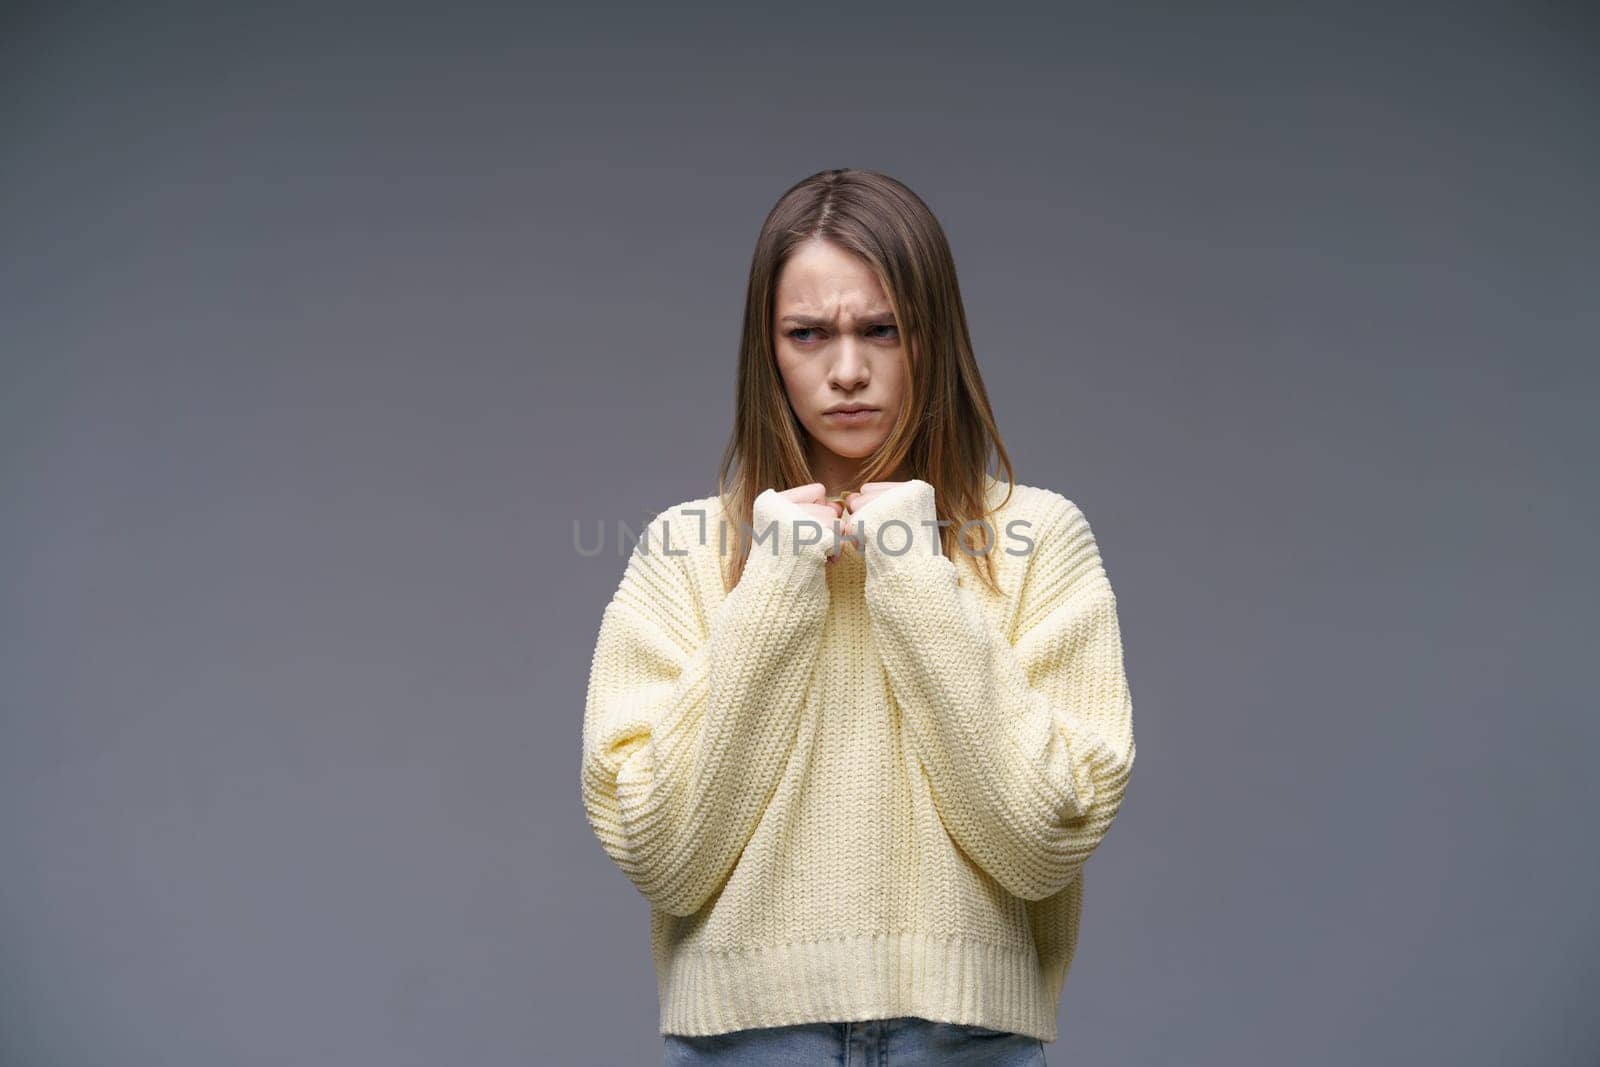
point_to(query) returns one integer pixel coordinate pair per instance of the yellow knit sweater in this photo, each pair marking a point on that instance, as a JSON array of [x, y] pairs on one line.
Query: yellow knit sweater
[[865, 789]]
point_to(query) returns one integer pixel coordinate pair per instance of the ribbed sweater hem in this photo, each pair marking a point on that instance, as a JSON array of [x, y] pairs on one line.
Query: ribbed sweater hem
[[869, 976]]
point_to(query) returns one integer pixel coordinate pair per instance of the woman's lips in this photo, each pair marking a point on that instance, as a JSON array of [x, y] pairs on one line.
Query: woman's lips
[[850, 416]]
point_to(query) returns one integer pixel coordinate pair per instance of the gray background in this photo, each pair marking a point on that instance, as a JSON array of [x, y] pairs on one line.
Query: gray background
[[322, 325]]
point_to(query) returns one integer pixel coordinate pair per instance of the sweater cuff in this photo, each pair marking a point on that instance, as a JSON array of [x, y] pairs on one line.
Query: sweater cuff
[[781, 530], [899, 528]]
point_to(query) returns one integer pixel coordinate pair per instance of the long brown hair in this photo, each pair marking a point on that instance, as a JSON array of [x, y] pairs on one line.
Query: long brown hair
[[945, 431]]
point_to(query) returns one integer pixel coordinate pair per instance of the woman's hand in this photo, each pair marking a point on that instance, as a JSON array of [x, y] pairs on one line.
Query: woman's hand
[[813, 500], [858, 500]]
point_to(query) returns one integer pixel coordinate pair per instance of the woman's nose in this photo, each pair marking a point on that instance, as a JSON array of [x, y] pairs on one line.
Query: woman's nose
[[849, 366]]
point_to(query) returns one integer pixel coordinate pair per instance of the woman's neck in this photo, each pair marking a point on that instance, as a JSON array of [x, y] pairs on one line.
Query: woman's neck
[[841, 476]]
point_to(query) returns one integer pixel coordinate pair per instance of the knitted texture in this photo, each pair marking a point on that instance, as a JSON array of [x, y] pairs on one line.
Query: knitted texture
[[865, 789]]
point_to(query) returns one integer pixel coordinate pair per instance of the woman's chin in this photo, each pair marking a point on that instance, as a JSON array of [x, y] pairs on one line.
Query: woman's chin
[[851, 446]]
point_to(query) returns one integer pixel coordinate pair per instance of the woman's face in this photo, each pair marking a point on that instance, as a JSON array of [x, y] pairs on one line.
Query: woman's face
[[838, 346]]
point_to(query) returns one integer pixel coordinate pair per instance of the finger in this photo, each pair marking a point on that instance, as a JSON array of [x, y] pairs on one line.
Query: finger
[[857, 501], [811, 493], [823, 513]]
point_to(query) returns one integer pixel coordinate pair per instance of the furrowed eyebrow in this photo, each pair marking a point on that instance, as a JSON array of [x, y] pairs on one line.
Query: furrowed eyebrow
[[811, 320]]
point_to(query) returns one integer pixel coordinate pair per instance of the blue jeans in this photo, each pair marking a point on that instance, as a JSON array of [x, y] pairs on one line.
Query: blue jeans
[[906, 1041]]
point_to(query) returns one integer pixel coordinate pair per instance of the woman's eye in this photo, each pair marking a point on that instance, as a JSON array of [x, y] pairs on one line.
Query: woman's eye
[[801, 333]]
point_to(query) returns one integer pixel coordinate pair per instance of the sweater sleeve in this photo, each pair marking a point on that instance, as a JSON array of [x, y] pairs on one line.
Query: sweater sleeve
[[1027, 744], [688, 724]]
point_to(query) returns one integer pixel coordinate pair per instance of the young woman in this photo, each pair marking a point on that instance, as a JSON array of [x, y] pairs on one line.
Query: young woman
[[856, 721]]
